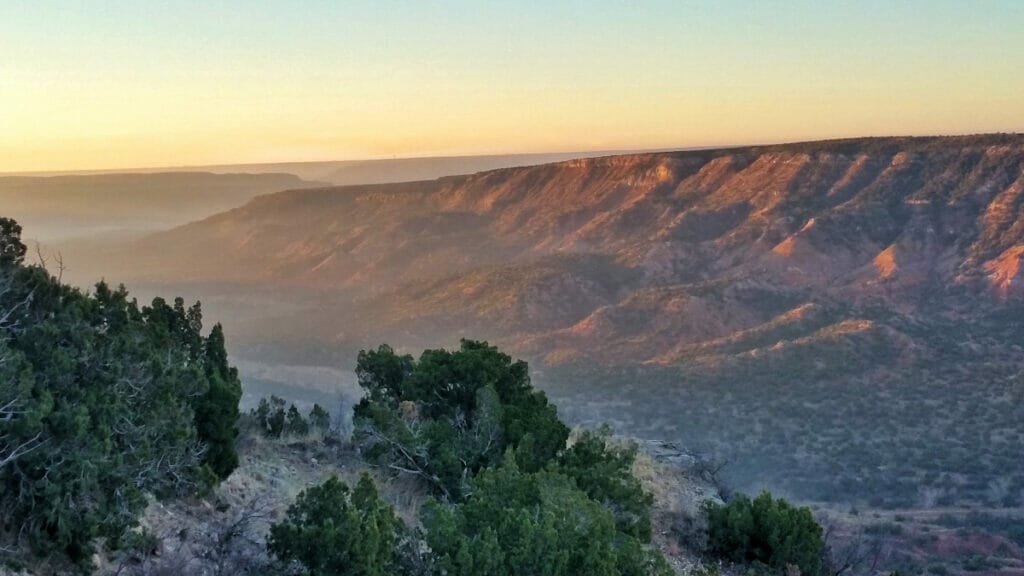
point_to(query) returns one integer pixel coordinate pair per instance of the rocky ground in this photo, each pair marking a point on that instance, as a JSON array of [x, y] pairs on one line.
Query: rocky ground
[[225, 533]]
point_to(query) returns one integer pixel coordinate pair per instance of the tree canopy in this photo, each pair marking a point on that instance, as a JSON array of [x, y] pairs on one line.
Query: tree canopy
[[451, 413], [513, 498], [102, 401]]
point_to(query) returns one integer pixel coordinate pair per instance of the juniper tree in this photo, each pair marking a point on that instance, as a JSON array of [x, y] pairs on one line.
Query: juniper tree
[[101, 402]]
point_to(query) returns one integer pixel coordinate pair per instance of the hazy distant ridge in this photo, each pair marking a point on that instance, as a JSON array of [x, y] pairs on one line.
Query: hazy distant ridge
[[72, 206], [346, 172]]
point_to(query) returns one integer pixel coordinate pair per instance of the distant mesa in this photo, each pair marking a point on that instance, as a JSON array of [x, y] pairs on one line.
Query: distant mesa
[[655, 257]]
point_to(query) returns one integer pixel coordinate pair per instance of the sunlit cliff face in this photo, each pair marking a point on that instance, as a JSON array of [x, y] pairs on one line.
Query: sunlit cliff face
[[641, 257]]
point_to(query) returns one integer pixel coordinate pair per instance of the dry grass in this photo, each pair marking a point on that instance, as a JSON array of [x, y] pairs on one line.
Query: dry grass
[[679, 493], [225, 532]]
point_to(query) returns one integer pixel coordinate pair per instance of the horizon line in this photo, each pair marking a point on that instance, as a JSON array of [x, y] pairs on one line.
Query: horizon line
[[593, 153]]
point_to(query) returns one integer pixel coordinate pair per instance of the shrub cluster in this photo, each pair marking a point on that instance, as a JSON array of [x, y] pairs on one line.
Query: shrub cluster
[[511, 497], [273, 419], [448, 415], [332, 531], [767, 531], [518, 522]]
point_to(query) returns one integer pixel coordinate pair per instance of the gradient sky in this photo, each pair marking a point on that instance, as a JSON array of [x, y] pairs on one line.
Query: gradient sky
[[107, 84]]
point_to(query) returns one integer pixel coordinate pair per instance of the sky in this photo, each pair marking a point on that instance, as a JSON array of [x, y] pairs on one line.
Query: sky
[[115, 84]]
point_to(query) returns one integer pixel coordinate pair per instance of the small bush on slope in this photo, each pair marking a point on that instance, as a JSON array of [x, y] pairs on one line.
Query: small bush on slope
[[605, 473], [273, 420], [766, 530], [330, 531], [518, 522]]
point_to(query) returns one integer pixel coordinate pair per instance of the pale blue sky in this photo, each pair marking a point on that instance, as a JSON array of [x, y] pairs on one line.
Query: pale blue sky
[[105, 84]]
